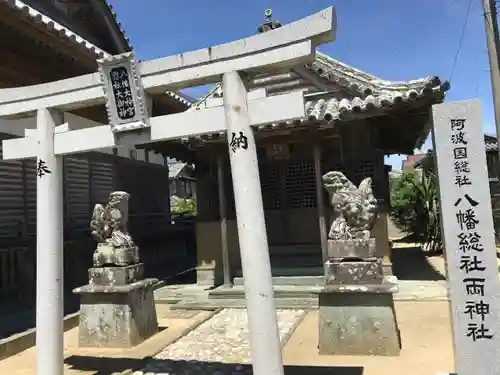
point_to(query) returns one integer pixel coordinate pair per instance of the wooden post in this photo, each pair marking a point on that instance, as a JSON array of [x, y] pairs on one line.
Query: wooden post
[[49, 239], [320, 201], [255, 263], [228, 282]]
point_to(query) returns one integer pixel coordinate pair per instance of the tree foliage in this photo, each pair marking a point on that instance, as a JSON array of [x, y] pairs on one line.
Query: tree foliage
[[415, 205], [182, 206]]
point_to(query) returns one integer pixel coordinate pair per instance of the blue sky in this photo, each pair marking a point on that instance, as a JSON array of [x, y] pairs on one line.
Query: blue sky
[[391, 39]]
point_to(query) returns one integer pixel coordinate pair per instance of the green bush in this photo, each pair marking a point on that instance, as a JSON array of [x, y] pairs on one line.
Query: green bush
[[182, 206], [415, 207]]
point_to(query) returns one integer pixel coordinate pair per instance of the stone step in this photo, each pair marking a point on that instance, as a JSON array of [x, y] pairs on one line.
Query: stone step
[[290, 280], [280, 291], [294, 271], [214, 304]]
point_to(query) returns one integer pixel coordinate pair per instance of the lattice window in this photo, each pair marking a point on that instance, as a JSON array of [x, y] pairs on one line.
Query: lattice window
[[369, 167], [363, 170], [271, 186], [301, 184]]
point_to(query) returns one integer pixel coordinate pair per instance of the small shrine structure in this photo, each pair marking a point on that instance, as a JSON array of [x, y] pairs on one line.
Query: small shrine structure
[[353, 119]]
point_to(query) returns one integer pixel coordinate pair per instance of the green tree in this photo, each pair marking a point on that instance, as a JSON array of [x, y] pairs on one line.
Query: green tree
[[183, 206]]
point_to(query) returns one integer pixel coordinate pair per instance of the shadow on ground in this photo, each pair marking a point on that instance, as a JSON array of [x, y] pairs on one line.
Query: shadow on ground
[[110, 366], [18, 318], [412, 263]]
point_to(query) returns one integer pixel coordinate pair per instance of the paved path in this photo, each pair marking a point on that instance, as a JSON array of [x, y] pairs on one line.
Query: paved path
[[82, 361], [220, 346]]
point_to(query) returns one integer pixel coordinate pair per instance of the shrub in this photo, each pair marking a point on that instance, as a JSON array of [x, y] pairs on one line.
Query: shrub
[[415, 207], [182, 206]]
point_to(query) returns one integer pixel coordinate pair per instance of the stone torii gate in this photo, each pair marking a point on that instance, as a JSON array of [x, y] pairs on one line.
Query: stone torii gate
[[287, 46]]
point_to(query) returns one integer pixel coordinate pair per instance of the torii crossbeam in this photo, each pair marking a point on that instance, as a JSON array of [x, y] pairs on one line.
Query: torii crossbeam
[[284, 47]]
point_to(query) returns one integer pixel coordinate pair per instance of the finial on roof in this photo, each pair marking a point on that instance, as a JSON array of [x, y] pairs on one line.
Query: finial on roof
[[269, 24]]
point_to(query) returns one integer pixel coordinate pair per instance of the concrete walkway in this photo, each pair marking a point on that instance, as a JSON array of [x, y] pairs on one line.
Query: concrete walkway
[[174, 324], [220, 346]]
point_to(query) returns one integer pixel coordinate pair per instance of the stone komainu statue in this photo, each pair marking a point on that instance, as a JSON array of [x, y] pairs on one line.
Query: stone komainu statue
[[354, 209], [115, 246]]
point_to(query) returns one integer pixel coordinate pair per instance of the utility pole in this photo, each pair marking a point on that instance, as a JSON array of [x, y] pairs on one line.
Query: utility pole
[[491, 25]]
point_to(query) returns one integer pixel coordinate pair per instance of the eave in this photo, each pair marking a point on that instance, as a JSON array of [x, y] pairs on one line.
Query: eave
[[52, 27], [80, 44], [352, 95]]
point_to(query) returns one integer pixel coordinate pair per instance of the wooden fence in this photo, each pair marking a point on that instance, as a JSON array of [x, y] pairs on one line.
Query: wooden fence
[[164, 254], [166, 249]]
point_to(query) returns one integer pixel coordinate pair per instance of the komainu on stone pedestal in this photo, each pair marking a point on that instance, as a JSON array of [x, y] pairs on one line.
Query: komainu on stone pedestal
[[356, 307], [109, 228], [117, 308]]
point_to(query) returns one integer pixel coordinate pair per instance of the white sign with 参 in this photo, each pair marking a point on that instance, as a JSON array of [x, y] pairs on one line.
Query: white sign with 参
[[467, 229]]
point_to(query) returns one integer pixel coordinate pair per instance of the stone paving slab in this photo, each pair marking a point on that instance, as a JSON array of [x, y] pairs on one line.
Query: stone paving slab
[[426, 337], [212, 304], [220, 345], [176, 293], [409, 290]]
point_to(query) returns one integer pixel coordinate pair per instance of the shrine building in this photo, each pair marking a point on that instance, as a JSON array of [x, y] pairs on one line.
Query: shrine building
[[353, 120]]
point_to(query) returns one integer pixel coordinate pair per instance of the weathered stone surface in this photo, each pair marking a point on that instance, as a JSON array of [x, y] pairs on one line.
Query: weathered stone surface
[[224, 338], [116, 275], [120, 316], [357, 323], [354, 208], [385, 287], [353, 272], [107, 254], [355, 248], [109, 228]]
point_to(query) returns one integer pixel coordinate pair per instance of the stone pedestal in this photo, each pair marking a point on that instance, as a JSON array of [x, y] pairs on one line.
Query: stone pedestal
[[355, 248], [358, 320], [117, 308], [366, 271], [356, 307], [106, 254]]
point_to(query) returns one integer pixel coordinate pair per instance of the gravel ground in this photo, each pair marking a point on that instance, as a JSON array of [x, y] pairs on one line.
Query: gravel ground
[[218, 346]]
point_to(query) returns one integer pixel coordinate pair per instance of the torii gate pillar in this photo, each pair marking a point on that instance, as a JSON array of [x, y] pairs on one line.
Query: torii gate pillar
[[49, 247], [255, 262]]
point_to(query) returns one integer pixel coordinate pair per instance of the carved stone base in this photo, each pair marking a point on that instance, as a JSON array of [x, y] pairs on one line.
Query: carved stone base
[[120, 316], [344, 272], [106, 276], [106, 254], [358, 320], [355, 248]]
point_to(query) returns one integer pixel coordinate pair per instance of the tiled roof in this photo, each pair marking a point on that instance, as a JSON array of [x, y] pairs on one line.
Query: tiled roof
[[490, 143], [74, 38], [334, 109], [412, 161], [51, 25], [175, 168], [176, 96], [362, 83], [118, 24], [367, 94]]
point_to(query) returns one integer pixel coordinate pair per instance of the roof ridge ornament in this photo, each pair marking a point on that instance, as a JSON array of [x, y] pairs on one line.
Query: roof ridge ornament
[[269, 24]]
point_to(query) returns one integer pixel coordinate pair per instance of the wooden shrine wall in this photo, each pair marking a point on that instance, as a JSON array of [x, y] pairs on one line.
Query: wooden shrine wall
[[88, 179], [288, 183]]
